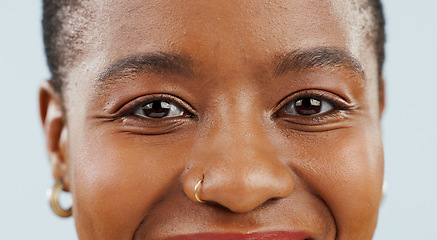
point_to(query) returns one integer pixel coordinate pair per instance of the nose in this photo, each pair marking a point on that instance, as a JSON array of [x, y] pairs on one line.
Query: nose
[[240, 169]]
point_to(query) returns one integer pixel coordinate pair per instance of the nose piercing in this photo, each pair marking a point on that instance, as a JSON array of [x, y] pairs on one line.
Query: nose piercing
[[195, 190]]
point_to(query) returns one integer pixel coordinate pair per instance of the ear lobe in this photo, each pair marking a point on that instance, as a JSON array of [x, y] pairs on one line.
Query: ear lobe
[[55, 130], [381, 95]]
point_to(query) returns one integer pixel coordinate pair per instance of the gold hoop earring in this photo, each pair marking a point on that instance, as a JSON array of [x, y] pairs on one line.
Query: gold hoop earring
[[54, 200], [195, 191]]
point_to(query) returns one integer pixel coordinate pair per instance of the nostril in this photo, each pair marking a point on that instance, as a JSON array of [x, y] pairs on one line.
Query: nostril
[[222, 207], [240, 185], [247, 191], [217, 206], [272, 200]]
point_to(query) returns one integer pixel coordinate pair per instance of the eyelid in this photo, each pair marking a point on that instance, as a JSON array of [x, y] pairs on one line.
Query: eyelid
[[335, 100], [131, 106]]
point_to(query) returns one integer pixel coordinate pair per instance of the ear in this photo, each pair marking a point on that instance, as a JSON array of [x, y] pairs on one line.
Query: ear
[[381, 95], [55, 130]]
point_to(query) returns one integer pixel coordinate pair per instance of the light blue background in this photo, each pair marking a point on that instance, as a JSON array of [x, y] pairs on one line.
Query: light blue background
[[410, 127]]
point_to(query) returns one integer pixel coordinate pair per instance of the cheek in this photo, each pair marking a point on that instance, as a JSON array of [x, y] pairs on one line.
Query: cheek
[[346, 170], [115, 180]]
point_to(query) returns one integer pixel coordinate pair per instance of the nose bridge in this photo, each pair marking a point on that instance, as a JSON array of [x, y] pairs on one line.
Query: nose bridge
[[240, 167], [242, 125], [238, 133]]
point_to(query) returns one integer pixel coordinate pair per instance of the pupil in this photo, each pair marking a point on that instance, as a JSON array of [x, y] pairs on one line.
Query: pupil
[[308, 106], [157, 109]]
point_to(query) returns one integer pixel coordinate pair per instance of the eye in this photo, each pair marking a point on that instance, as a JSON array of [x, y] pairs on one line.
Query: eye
[[306, 106], [160, 109]]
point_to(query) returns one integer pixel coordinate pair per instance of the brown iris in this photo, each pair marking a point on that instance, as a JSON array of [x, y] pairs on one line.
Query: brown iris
[[308, 106], [156, 109]]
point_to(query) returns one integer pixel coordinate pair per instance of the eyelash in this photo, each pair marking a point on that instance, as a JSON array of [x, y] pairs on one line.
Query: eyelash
[[339, 105], [129, 108]]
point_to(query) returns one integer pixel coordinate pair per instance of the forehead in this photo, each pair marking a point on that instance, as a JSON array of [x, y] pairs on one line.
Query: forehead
[[229, 34], [215, 24], [164, 23]]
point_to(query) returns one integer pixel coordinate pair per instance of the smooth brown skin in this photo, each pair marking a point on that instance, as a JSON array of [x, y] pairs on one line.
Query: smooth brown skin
[[132, 177]]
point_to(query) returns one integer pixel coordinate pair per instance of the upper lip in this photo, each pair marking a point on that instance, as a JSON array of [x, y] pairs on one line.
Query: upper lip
[[276, 235]]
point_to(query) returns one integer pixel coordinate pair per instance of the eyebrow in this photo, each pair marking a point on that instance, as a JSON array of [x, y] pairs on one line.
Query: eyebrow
[[320, 57], [168, 63], [156, 62]]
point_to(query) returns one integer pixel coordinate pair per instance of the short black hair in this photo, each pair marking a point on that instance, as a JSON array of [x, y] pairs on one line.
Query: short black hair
[[64, 25], [65, 21]]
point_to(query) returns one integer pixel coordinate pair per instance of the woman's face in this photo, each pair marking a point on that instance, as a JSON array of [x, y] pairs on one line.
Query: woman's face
[[274, 103]]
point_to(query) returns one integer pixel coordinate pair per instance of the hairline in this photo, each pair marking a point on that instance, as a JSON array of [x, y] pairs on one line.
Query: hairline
[[64, 47]]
